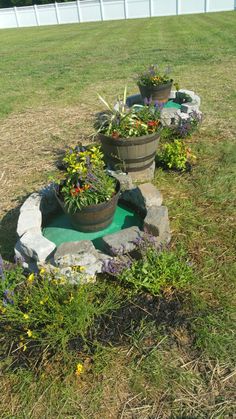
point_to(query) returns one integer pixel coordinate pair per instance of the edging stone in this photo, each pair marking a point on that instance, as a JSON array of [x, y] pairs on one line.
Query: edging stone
[[69, 258]]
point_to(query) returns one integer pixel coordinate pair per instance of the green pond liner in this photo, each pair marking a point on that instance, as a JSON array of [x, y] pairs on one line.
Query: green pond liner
[[172, 104], [59, 229]]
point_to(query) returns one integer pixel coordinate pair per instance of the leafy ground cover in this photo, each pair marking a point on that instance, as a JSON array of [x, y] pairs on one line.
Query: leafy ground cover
[[170, 355]]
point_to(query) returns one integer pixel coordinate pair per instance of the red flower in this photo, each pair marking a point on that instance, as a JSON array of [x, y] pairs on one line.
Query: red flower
[[115, 134], [152, 123]]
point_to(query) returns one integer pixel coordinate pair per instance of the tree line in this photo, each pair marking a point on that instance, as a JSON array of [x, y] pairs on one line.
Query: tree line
[[18, 3]]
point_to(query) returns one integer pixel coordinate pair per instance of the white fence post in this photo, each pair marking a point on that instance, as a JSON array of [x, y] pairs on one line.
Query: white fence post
[[101, 9], [150, 8], [206, 6], [36, 14], [57, 12], [125, 9], [16, 16], [79, 11], [178, 5]]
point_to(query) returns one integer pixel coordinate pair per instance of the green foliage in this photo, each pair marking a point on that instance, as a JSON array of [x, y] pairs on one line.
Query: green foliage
[[175, 155], [157, 272], [154, 77], [86, 182], [42, 311], [124, 122]]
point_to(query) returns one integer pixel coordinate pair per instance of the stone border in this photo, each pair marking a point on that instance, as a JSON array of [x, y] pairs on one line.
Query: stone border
[[173, 115], [36, 251]]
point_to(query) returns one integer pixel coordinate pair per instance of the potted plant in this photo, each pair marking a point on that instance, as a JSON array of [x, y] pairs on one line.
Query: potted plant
[[129, 136], [85, 191], [155, 84]]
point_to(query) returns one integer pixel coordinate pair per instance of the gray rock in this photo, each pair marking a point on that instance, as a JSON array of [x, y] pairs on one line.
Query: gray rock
[[143, 196], [189, 107], [49, 203], [32, 202], [36, 246], [151, 195], [78, 248], [124, 179], [173, 94], [121, 242], [156, 221], [29, 220], [169, 116], [134, 100], [145, 175], [27, 262], [82, 253], [81, 259]]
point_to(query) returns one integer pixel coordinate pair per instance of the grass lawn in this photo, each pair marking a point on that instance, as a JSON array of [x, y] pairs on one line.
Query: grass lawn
[[176, 365]]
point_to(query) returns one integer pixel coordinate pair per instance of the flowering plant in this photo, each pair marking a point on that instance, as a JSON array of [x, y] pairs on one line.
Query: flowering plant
[[154, 77], [176, 155], [120, 121], [85, 182]]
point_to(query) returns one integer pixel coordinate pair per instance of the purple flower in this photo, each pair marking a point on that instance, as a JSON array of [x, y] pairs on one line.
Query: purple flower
[[7, 297], [158, 105], [147, 101], [115, 267], [2, 276]]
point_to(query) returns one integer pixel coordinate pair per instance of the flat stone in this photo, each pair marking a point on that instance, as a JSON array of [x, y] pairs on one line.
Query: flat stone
[[124, 179], [151, 195], [134, 100], [73, 248], [49, 203], [81, 259], [36, 246], [169, 116], [156, 221], [121, 242], [32, 202], [27, 262], [29, 220], [143, 175], [189, 107], [81, 253], [143, 196]]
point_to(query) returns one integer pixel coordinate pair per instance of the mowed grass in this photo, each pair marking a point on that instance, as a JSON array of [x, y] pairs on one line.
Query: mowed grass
[[49, 79]]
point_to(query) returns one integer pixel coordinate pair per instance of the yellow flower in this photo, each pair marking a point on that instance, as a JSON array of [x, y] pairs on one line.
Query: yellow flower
[[71, 298], [2, 309], [29, 333], [43, 301], [42, 271], [26, 316], [82, 268], [23, 346], [31, 278], [79, 369], [62, 281]]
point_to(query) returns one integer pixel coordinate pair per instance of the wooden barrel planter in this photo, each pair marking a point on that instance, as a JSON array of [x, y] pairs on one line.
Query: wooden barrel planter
[[159, 93], [132, 154], [93, 217]]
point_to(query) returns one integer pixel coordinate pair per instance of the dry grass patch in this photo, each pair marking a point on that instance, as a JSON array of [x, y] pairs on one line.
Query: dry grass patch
[[30, 144]]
